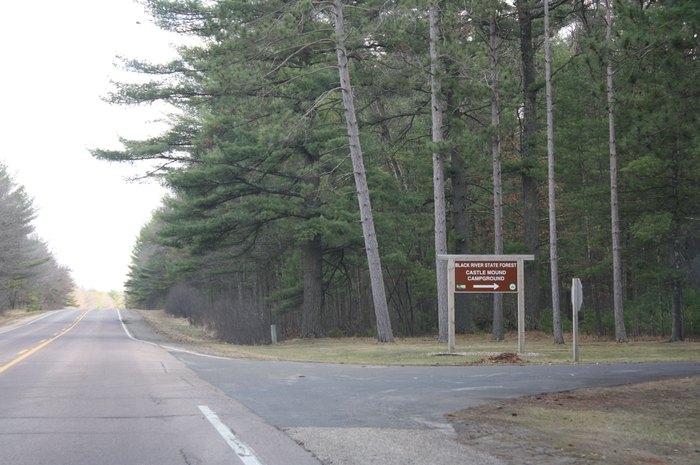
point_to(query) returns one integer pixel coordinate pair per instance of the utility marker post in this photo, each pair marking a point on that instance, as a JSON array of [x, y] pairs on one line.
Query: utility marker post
[[576, 302], [485, 274], [521, 304]]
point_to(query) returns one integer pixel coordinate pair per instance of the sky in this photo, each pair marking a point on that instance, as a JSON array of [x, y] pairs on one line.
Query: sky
[[57, 60]]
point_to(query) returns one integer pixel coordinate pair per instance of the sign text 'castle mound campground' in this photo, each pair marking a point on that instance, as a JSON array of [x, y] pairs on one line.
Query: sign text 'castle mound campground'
[[486, 276]]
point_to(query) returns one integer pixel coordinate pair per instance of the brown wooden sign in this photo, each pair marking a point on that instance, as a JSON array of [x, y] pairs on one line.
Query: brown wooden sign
[[485, 273], [486, 276]]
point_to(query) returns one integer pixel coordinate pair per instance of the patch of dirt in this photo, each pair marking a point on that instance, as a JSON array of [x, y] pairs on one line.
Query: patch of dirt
[[505, 358], [648, 423]]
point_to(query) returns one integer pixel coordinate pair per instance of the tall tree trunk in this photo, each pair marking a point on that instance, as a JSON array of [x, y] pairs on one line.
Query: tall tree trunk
[[381, 310], [620, 333], [676, 251], [392, 164], [461, 221], [312, 261], [496, 168], [553, 254], [461, 225], [528, 157], [437, 108]]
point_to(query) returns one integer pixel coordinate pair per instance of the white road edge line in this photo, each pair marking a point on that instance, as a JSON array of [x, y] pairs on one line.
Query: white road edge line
[[126, 330], [171, 348], [32, 321], [243, 452]]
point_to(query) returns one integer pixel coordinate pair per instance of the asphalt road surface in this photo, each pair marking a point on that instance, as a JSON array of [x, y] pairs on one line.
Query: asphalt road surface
[[74, 390], [82, 388]]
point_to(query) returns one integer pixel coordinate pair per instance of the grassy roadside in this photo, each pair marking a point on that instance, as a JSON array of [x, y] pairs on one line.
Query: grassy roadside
[[476, 348], [648, 423], [10, 316]]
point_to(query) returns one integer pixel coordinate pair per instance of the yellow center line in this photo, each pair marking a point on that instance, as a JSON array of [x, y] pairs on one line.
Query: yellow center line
[[26, 353]]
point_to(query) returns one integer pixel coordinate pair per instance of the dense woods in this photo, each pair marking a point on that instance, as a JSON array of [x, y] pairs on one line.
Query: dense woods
[[448, 110], [30, 276]]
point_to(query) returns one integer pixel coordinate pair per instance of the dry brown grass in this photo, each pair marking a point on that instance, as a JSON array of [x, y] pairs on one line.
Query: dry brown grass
[[10, 316], [656, 422], [471, 348]]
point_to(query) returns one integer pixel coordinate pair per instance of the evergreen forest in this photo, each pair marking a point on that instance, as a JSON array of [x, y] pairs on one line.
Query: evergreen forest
[[568, 130], [30, 276]]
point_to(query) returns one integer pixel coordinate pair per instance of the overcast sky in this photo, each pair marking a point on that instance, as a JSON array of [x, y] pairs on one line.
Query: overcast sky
[[57, 61]]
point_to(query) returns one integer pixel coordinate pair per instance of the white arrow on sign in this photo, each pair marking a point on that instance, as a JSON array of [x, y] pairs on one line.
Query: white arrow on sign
[[493, 286]]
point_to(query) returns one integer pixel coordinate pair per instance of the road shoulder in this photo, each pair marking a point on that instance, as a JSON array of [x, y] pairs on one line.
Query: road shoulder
[[387, 446]]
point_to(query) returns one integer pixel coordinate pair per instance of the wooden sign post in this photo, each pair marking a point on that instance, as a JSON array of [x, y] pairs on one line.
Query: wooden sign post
[[485, 274]]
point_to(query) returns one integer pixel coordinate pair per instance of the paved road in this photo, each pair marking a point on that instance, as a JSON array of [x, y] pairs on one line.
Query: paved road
[[346, 413], [321, 395], [74, 389]]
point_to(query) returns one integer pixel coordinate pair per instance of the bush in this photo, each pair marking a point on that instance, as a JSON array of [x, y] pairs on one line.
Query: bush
[[184, 301]]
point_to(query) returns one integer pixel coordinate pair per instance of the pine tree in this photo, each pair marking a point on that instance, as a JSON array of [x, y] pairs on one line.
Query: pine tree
[[660, 47], [384, 331], [437, 110], [553, 253], [620, 332]]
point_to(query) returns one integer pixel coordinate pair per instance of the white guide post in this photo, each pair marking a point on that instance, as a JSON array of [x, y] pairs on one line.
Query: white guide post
[[576, 302]]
